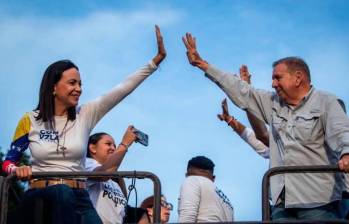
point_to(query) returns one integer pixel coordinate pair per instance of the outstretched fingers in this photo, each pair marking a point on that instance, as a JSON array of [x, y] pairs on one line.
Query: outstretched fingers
[[225, 107], [191, 41], [244, 74], [161, 48], [160, 41], [185, 43], [225, 114]]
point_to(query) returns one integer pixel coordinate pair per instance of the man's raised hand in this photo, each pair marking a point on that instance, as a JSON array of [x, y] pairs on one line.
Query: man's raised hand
[[192, 53], [244, 74]]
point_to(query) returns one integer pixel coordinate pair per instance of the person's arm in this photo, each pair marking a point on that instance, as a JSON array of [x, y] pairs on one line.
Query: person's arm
[[245, 133], [258, 126], [257, 102], [189, 201], [193, 55], [113, 162], [230, 120], [337, 132], [161, 48], [19, 144], [249, 137], [99, 107]]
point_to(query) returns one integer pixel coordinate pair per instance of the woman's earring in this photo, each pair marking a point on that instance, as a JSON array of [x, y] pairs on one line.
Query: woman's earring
[[54, 93]]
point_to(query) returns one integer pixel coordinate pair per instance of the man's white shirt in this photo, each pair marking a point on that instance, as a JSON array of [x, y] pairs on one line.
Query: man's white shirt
[[201, 201]]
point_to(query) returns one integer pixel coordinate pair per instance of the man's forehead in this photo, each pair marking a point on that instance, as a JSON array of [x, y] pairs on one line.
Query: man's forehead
[[280, 69], [281, 66]]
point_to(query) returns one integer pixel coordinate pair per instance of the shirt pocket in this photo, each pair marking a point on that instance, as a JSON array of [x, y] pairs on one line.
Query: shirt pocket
[[279, 124], [306, 127]]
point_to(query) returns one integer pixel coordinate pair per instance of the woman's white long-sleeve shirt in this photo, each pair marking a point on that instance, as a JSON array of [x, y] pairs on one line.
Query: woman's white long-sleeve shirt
[[46, 144], [249, 136]]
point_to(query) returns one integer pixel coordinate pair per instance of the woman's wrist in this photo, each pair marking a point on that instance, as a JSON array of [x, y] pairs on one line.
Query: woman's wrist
[[158, 59], [229, 120], [237, 127], [124, 145]]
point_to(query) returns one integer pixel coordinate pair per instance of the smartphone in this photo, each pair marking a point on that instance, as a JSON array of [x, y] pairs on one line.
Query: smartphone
[[141, 137]]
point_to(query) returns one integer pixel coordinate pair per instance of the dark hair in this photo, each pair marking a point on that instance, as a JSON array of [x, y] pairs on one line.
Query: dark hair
[[148, 202], [93, 139], [201, 162], [293, 64], [341, 102], [46, 105]]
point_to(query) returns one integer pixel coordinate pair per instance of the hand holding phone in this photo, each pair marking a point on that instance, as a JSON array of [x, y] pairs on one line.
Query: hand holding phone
[[141, 137]]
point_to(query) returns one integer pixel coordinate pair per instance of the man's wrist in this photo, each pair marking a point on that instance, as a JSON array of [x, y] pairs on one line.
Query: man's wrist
[[203, 65]]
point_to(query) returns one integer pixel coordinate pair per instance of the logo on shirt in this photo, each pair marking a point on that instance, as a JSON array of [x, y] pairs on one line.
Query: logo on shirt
[[114, 194], [48, 135], [224, 198]]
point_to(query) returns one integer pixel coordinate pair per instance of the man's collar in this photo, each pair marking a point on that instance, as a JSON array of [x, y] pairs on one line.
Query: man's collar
[[303, 100]]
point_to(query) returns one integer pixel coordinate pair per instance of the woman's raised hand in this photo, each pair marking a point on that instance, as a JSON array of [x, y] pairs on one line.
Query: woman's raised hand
[[231, 121], [161, 48], [225, 113], [129, 136]]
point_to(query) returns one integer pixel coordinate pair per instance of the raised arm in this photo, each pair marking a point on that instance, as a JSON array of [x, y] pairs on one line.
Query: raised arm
[[245, 133], [161, 49], [258, 102], [257, 125], [113, 162], [231, 121], [96, 109], [193, 55]]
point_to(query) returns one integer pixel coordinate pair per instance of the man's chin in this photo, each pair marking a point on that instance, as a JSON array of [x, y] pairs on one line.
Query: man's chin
[[281, 96]]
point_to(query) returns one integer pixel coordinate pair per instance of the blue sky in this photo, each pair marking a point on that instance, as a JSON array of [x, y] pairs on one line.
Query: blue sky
[[177, 106]]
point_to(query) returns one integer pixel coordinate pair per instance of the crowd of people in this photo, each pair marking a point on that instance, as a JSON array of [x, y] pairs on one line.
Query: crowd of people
[[293, 126]]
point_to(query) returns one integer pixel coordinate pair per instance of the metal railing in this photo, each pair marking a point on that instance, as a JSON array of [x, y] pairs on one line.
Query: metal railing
[[6, 182], [288, 169]]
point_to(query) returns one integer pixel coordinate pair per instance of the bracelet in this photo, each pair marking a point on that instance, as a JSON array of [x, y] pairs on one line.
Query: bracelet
[[123, 144], [230, 120]]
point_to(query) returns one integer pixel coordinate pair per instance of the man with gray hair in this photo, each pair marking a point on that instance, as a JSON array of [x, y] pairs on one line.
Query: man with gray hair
[[307, 127]]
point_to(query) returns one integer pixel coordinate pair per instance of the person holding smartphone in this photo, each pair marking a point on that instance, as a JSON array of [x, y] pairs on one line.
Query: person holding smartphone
[[108, 197]]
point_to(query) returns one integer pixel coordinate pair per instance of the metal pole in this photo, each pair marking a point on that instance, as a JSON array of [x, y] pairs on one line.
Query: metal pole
[[288, 169], [4, 187], [91, 175]]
